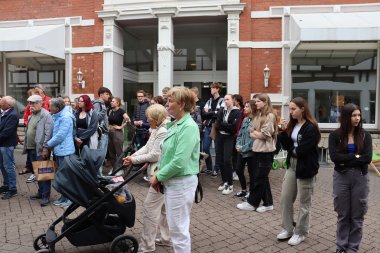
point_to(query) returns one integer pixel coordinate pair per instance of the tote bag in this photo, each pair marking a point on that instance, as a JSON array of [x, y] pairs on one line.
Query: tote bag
[[44, 170]]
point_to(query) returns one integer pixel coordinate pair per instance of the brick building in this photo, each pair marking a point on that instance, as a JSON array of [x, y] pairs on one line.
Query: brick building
[[325, 50]]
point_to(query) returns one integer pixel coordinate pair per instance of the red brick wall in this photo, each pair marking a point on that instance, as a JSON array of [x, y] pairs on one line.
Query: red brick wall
[[91, 65], [83, 36], [252, 61]]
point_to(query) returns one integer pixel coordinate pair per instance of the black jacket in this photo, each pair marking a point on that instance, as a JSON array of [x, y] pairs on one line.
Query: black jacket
[[213, 106], [231, 125], [140, 115], [8, 128], [343, 160], [307, 150]]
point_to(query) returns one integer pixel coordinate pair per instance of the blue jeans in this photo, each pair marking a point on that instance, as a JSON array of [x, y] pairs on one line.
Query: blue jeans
[[8, 167], [206, 148], [44, 187]]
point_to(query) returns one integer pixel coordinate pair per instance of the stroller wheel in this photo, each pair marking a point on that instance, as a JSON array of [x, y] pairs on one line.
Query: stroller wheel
[[40, 243], [124, 244], [275, 165]]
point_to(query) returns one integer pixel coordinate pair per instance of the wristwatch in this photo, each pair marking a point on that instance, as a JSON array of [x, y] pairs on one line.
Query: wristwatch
[[357, 156]]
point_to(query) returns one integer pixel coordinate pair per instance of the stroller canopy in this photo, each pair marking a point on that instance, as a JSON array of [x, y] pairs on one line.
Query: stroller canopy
[[76, 177]]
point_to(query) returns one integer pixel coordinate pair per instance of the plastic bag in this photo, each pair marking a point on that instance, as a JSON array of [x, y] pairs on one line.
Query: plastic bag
[[122, 195]]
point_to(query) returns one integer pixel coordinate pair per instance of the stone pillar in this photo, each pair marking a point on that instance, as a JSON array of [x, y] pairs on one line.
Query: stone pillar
[[113, 56], [233, 12], [165, 47]]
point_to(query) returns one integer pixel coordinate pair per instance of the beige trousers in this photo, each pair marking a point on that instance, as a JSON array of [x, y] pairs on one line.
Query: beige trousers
[[154, 218], [291, 187]]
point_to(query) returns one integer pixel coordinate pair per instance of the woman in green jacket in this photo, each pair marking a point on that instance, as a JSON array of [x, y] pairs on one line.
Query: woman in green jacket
[[179, 166]]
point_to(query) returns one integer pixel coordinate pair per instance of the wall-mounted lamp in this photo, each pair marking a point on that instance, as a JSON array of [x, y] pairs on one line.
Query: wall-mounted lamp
[[266, 76], [80, 80]]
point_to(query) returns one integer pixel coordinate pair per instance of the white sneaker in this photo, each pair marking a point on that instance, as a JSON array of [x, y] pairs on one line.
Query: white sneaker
[[245, 206], [296, 239], [263, 209], [31, 178], [235, 177], [228, 189], [284, 234], [222, 186]]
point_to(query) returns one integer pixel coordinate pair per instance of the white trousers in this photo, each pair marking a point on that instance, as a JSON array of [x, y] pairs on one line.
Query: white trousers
[[154, 217], [179, 198]]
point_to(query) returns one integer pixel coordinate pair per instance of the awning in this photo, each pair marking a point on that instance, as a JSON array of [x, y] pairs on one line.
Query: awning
[[319, 27], [48, 40]]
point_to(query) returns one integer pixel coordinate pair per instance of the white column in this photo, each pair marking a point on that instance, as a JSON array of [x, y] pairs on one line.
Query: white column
[[233, 54], [165, 47], [113, 57]]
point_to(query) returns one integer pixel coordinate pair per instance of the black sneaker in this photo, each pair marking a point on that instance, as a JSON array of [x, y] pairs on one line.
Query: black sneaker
[[241, 194], [205, 172], [36, 196], [9, 194], [44, 202], [340, 251], [3, 189]]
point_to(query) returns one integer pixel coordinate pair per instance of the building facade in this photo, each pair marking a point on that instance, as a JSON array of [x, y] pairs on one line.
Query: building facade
[[326, 51]]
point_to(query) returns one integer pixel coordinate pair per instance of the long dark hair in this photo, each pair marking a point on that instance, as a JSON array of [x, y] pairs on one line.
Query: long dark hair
[[302, 104], [346, 127]]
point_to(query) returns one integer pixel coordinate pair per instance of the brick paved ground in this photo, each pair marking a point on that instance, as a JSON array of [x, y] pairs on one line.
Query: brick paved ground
[[216, 224]]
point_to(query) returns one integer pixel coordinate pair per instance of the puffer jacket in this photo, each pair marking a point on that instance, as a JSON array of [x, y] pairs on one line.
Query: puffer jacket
[[244, 139], [62, 138], [140, 115]]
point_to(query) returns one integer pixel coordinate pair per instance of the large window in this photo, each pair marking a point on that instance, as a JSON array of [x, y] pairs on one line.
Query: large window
[[329, 79], [194, 54], [22, 78]]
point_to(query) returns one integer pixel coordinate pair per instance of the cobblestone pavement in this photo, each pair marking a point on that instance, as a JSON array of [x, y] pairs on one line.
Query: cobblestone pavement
[[216, 224]]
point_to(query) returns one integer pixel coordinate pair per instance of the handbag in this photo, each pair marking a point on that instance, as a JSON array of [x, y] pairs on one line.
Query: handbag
[[44, 170]]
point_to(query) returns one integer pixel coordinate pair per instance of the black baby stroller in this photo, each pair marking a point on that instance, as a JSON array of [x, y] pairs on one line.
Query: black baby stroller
[[104, 219]]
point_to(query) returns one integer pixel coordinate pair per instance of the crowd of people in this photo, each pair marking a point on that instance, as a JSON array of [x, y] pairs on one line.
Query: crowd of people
[[174, 133]]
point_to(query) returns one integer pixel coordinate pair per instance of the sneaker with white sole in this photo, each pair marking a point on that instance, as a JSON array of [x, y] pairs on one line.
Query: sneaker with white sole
[[228, 189], [222, 186], [284, 234], [31, 178], [235, 177], [245, 206], [296, 239], [263, 209]]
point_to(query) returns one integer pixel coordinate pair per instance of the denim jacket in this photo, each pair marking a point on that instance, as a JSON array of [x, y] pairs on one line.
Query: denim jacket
[[244, 140]]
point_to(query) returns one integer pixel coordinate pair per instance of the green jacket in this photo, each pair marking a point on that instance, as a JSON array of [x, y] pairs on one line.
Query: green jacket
[[180, 150]]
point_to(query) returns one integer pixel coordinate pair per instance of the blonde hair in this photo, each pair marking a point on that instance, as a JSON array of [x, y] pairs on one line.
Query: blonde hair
[[156, 112], [118, 100], [182, 95], [195, 90]]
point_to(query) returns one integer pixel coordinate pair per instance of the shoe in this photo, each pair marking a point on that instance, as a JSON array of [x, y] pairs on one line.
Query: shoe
[[228, 189], [3, 189], [263, 209], [284, 234], [36, 196], [241, 194], [296, 239], [340, 251], [31, 178], [245, 198], [214, 174], [44, 202], [161, 242], [235, 177], [146, 178], [222, 186], [59, 201], [9, 194], [246, 206], [66, 204], [205, 171]]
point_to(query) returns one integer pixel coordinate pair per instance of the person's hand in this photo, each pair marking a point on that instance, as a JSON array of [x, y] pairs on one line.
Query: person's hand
[[238, 149], [45, 154], [79, 142], [136, 123], [127, 160], [154, 183], [283, 124]]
